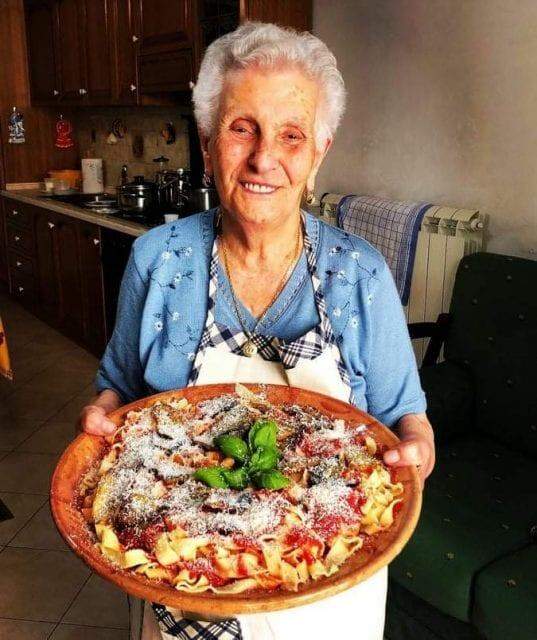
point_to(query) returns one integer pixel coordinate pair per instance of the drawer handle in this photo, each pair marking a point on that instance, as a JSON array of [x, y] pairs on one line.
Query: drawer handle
[[96, 241], [51, 225], [17, 238], [15, 212], [133, 88], [55, 92], [21, 289], [18, 263], [82, 92], [135, 38]]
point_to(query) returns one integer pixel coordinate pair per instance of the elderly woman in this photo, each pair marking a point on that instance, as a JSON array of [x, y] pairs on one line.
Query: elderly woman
[[257, 290]]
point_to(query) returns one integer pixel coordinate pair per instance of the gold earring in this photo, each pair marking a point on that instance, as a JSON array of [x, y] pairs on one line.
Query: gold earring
[[310, 197], [207, 179]]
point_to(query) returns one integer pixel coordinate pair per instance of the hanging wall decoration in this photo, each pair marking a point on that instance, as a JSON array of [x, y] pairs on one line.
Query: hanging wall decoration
[[64, 133], [16, 127]]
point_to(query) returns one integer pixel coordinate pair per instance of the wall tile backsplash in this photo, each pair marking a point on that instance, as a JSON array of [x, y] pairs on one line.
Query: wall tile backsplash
[[146, 122]]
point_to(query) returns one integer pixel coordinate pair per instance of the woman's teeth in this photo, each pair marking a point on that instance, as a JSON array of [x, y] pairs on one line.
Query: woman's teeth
[[258, 188]]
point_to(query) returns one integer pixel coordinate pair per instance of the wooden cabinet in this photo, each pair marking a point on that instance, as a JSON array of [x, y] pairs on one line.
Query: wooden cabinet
[[71, 319], [96, 24], [55, 270], [48, 298], [92, 286], [43, 64], [70, 51], [126, 32], [100, 52]]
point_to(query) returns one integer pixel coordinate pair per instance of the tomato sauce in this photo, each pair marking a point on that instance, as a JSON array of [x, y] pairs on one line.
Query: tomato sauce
[[197, 569]]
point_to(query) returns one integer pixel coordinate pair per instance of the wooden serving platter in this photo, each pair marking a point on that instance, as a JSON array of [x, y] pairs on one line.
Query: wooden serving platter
[[86, 450]]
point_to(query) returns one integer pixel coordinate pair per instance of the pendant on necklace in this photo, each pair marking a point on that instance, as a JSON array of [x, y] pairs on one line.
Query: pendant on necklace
[[249, 349]]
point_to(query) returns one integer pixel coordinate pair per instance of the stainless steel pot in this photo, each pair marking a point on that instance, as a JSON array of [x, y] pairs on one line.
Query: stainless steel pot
[[138, 196], [202, 199]]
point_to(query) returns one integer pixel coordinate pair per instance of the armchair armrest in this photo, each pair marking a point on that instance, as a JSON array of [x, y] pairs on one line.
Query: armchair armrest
[[450, 392], [437, 331]]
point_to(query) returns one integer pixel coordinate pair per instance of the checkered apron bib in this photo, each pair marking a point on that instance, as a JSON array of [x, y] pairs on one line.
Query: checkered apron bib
[[317, 343]]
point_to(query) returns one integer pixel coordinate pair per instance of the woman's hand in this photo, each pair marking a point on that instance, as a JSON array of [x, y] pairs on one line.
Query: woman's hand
[[416, 446], [93, 416]]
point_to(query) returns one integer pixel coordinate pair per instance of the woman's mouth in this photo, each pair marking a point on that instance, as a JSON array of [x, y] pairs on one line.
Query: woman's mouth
[[254, 187]]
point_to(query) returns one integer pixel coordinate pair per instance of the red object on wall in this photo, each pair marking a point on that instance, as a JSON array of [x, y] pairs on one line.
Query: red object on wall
[[64, 131]]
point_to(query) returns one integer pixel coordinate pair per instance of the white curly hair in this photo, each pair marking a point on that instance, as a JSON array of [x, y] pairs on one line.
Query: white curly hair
[[268, 45]]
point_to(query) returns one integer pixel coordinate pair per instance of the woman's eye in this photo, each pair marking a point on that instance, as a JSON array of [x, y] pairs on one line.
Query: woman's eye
[[293, 137]]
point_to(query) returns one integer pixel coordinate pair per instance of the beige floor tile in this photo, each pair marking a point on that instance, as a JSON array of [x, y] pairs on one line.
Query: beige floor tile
[[40, 533], [51, 437], [14, 430], [39, 585], [24, 630], [71, 632], [99, 603], [27, 472], [23, 506]]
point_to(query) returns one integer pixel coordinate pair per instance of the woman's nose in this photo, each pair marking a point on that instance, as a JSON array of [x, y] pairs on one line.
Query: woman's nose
[[263, 157]]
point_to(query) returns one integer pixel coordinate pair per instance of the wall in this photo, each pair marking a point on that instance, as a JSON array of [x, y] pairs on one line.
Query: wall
[[442, 106], [144, 121], [30, 161]]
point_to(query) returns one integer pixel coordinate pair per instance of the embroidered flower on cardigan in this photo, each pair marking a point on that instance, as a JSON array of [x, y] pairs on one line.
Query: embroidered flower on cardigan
[[191, 356], [336, 312], [166, 255], [175, 316], [353, 322], [158, 325], [183, 252]]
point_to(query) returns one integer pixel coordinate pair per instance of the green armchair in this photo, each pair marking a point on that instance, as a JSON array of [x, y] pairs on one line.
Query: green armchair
[[470, 569]]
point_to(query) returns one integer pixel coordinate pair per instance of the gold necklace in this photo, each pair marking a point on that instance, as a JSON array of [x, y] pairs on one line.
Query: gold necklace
[[248, 348]]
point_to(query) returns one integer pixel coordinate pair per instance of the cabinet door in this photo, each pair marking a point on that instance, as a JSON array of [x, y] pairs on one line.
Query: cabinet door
[[42, 63], [287, 13], [126, 36], [48, 303], [92, 287], [96, 24], [71, 313], [164, 25], [71, 51]]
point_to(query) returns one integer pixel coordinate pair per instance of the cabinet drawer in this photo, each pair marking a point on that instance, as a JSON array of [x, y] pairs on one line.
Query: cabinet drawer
[[18, 214], [23, 289], [19, 263], [20, 239]]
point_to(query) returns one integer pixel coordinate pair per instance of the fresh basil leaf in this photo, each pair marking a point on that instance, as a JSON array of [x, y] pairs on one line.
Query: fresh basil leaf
[[263, 459], [263, 434], [211, 476], [272, 480], [232, 447], [236, 478]]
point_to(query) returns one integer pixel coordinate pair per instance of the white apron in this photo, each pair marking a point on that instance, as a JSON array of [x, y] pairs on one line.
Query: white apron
[[312, 362]]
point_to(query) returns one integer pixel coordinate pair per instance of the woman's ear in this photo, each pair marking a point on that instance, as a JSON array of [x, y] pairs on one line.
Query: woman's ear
[[317, 161], [207, 160]]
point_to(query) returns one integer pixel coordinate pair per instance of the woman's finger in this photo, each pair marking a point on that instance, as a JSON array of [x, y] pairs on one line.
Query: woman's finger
[[405, 453], [95, 422]]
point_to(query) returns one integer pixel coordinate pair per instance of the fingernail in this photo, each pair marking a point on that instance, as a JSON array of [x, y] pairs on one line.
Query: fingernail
[[391, 456]]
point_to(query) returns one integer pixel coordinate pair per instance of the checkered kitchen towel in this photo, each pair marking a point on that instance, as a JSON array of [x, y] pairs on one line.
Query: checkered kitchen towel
[[391, 227]]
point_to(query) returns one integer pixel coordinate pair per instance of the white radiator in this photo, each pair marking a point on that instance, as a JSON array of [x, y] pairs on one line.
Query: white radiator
[[446, 235]]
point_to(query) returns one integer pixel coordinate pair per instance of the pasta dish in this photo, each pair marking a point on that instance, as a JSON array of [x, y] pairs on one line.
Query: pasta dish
[[236, 494]]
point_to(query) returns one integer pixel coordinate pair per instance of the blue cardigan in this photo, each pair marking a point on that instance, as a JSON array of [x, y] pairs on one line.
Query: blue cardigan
[[163, 304]]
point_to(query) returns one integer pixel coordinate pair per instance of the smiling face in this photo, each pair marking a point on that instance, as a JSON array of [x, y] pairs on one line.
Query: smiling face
[[262, 153]]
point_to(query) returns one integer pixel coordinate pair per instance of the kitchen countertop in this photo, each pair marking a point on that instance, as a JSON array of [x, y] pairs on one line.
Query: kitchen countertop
[[34, 197]]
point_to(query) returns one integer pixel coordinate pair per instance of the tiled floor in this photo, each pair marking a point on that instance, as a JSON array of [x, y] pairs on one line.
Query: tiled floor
[[45, 591]]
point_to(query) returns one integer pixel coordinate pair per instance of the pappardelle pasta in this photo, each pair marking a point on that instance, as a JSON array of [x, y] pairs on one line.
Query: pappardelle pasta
[[236, 494]]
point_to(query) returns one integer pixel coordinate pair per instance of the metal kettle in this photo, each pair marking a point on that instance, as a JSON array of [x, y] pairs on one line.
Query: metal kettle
[[138, 196], [173, 186]]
